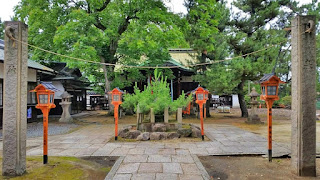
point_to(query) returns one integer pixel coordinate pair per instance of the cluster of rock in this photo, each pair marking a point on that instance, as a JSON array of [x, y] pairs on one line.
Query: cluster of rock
[[159, 133]]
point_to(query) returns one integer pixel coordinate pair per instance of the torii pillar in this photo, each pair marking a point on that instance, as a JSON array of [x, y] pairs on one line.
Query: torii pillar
[[303, 55], [15, 99]]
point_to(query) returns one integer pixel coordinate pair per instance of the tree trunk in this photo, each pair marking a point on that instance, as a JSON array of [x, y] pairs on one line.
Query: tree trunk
[[208, 106], [243, 106], [107, 83]]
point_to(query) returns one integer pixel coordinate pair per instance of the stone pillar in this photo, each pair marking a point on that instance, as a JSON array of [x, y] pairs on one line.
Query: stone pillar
[[152, 118], [166, 115], [179, 115], [303, 55], [15, 99]]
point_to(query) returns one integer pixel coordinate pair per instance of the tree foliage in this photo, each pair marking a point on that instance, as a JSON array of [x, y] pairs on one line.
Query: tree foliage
[[102, 31], [156, 96], [1, 29], [247, 32]]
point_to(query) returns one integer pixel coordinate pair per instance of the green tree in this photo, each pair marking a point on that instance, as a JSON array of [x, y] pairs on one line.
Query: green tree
[[103, 31], [1, 29], [248, 31]]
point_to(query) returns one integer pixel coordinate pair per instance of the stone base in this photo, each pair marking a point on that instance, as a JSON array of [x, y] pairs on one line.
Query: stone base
[[66, 120], [254, 119]]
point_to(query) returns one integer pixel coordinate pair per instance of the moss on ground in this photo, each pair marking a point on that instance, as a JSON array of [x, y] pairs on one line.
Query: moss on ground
[[61, 168]]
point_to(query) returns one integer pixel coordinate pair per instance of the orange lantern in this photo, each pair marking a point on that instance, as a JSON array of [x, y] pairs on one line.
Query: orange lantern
[[45, 99], [269, 92], [201, 98], [116, 97]]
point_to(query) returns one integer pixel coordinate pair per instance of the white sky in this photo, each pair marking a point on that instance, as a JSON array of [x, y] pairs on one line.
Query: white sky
[[6, 7]]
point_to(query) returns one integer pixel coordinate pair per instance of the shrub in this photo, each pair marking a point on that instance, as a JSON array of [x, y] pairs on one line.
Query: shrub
[[156, 96]]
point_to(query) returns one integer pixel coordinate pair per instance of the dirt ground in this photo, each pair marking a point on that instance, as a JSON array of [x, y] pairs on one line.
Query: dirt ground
[[281, 124], [244, 167]]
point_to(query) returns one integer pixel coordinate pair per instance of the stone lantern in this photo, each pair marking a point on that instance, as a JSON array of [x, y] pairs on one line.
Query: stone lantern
[[253, 117], [65, 104]]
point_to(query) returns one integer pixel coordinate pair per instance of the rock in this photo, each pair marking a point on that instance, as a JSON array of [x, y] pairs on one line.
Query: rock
[[196, 133], [173, 135], [124, 130], [184, 132], [158, 136], [133, 134], [159, 128], [144, 136], [193, 126]]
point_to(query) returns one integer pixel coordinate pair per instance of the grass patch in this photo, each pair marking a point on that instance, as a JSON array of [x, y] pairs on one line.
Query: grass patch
[[61, 168]]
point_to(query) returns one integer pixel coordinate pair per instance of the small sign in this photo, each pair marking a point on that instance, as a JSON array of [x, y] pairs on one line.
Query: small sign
[[29, 113]]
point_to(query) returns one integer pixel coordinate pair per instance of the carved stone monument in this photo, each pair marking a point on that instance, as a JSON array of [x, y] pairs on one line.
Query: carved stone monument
[[65, 104], [253, 116], [15, 99]]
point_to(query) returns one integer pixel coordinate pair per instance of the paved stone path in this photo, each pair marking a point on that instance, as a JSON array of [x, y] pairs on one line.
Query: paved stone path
[[155, 160]]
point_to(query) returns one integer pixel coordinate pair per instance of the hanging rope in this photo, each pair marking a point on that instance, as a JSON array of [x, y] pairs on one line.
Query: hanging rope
[[148, 67]]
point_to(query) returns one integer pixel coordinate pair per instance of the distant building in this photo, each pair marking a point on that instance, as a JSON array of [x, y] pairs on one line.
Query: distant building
[[70, 80], [62, 77], [34, 69]]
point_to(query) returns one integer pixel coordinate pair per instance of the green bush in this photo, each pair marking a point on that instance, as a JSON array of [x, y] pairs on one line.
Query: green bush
[[286, 101], [156, 96]]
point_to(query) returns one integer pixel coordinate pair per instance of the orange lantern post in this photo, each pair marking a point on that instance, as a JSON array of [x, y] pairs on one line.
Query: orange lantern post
[[116, 94], [269, 92], [201, 98], [45, 97]]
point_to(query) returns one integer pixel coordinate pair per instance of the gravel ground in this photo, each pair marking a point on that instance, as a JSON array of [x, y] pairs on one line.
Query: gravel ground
[[36, 129]]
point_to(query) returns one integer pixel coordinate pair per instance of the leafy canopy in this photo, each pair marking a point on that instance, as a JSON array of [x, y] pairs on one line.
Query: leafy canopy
[[156, 96]]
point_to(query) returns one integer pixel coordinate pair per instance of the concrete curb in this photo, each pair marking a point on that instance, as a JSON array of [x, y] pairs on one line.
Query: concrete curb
[[203, 171], [114, 168]]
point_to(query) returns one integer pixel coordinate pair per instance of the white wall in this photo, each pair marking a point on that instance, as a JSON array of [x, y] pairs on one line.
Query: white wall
[[235, 101]]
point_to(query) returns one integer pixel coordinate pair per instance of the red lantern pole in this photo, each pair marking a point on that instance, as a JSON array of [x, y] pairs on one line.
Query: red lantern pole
[[201, 120], [45, 111], [269, 106], [116, 121]]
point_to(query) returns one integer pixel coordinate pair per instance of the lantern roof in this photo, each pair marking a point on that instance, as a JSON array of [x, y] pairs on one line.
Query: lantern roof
[[254, 93], [270, 77], [116, 90], [65, 94], [45, 86], [199, 89]]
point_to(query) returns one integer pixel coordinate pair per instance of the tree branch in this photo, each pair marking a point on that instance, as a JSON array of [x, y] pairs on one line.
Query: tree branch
[[105, 4]]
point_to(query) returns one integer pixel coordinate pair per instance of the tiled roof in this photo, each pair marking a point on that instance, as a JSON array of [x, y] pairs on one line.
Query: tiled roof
[[266, 77], [49, 86]]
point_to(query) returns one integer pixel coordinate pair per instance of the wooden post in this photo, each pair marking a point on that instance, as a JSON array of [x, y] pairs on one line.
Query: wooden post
[[303, 55], [45, 112], [269, 106], [116, 121], [15, 99], [201, 120]]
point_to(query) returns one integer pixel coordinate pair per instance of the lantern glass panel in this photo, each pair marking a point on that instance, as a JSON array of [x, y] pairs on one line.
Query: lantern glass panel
[[200, 96], [263, 90], [272, 90], [43, 98], [51, 98], [116, 97]]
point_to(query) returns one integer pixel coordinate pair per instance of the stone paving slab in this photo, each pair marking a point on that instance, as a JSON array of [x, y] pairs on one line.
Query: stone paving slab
[[150, 168], [156, 160]]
